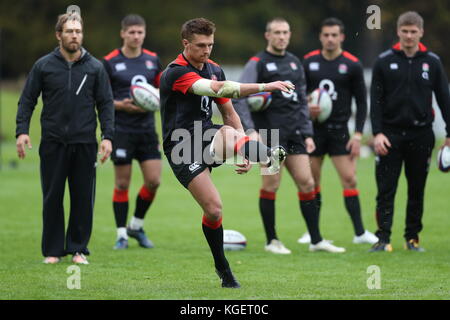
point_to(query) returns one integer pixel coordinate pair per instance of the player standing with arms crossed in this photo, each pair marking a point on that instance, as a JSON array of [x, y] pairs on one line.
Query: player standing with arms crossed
[[341, 74], [135, 135]]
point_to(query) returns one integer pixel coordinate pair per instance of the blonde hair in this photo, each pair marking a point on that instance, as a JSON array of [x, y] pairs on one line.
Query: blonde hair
[[63, 18]]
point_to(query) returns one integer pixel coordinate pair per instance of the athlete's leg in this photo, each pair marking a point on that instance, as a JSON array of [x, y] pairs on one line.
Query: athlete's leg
[[207, 196], [299, 168], [151, 172], [270, 184], [316, 168], [122, 178], [346, 168]]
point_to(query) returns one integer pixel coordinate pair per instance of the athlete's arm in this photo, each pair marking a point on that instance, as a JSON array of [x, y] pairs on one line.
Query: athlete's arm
[[359, 91], [232, 89], [442, 94], [127, 105], [376, 99]]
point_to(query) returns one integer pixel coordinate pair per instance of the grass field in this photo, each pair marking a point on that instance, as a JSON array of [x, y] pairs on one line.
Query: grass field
[[180, 267]]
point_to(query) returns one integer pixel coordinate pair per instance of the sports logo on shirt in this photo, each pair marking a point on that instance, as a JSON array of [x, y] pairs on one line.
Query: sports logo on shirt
[[149, 65], [314, 66], [343, 68], [394, 66], [294, 66], [271, 66], [214, 77], [121, 66], [425, 68]]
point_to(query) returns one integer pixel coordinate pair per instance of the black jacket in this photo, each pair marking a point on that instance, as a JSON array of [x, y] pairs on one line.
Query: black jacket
[[70, 94], [402, 90]]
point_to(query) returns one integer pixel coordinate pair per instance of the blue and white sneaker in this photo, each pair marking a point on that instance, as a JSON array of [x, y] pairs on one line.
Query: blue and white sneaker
[[140, 236], [121, 244]]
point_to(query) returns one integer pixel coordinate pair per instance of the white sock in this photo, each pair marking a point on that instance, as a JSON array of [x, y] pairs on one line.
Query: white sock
[[122, 233], [136, 223]]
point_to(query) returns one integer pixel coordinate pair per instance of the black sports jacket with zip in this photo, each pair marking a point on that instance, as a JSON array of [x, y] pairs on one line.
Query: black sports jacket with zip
[[72, 95], [402, 90]]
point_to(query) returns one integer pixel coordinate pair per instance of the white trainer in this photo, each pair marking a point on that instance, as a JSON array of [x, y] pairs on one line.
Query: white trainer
[[366, 237], [277, 155], [79, 258], [325, 246], [276, 246], [306, 239]]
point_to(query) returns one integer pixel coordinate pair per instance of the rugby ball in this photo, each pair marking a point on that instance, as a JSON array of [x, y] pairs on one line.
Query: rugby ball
[[145, 95], [233, 240], [259, 101], [443, 159], [321, 98]]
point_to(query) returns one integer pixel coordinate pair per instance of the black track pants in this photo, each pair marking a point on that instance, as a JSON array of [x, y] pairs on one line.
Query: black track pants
[[74, 163]]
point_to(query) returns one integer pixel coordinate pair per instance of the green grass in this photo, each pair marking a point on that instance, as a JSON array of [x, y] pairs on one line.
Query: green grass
[[181, 267]]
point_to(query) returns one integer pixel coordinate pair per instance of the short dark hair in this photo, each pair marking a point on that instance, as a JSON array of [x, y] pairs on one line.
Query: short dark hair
[[331, 22], [63, 18], [132, 20], [410, 18], [276, 19], [197, 26]]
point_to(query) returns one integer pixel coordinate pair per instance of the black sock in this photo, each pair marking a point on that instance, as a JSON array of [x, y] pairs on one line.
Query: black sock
[[143, 202], [215, 242], [267, 210], [308, 207], [318, 200], [353, 207], [120, 207], [254, 151]]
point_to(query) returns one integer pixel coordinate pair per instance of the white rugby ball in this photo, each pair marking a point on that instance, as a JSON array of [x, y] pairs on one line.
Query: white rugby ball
[[259, 101], [233, 240], [145, 95], [321, 98], [443, 159]]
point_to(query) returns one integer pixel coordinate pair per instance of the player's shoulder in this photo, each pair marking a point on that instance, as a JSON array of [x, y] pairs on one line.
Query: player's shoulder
[[433, 56], [112, 55], [214, 65], [312, 55], [350, 57], [149, 53], [386, 54], [291, 56]]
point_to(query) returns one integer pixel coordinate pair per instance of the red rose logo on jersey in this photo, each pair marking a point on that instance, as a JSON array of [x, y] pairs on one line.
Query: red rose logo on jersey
[[426, 67], [213, 77], [343, 68], [149, 65], [294, 66]]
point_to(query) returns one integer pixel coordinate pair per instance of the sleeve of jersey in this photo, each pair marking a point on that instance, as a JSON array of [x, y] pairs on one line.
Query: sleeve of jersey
[[377, 99], [157, 79], [306, 126], [183, 79], [442, 94], [249, 75], [360, 93]]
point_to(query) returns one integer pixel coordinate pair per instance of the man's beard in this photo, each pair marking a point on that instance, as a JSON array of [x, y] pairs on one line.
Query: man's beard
[[71, 47]]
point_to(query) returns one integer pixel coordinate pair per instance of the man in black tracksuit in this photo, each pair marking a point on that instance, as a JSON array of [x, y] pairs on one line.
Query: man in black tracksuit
[[72, 83], [404, 78]]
